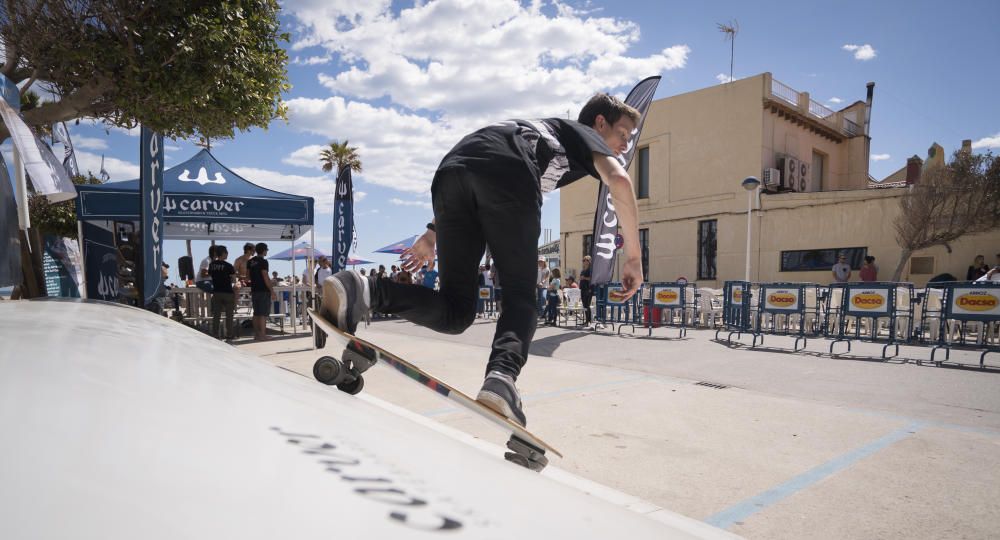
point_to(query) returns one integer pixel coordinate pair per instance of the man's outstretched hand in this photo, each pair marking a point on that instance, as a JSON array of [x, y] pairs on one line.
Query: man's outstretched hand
[[632, 276], [421, 253]]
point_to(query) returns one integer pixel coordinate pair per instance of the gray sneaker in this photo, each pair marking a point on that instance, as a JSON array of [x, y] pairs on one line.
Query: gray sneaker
[[346, 299], [500, 394]]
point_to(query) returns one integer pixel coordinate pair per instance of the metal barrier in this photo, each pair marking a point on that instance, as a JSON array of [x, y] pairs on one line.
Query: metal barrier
[[612, 308], [871, 307], [735, 309], [967, 310], [782, 306], [670, 304]]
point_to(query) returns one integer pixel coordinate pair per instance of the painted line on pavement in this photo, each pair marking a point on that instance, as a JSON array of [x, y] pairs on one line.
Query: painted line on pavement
[[744, 509], [545, 395]]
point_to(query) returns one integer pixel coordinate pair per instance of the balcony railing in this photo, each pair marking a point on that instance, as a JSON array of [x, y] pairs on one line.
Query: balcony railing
[[819, 110], [785, 92], [851, 128]]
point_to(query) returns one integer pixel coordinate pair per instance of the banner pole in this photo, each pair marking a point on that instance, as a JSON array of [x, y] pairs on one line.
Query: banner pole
[[292, 298], [83, 259]]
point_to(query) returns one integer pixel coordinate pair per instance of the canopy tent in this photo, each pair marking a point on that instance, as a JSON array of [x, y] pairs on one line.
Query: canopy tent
[[399, 247], [204, 200], [302, 250]]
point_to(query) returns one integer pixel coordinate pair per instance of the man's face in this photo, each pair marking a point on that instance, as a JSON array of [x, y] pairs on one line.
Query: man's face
[[616, 135], [842, 260]]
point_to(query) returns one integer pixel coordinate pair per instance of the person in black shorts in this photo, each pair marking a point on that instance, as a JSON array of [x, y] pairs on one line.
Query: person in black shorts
[[223, 297], [261, 292], [586, 292], [488, 190]]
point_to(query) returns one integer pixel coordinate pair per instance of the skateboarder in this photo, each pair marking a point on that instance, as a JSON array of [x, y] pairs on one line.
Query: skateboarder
[[488, 190]]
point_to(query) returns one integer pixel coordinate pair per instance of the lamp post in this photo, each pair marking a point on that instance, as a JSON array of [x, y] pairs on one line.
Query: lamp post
[[750, 184]]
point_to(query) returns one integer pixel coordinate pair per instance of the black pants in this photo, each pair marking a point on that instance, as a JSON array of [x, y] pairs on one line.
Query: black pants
[[471, 211], [586, 294]]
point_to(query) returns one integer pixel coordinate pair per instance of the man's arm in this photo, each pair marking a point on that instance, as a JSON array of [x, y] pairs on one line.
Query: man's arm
[[622, 194]]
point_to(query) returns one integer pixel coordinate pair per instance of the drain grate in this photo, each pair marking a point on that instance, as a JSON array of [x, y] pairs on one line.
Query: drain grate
[[717, 386]]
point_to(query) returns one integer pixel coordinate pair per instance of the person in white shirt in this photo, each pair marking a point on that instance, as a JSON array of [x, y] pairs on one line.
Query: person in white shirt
[[324, 271], [204, 281]]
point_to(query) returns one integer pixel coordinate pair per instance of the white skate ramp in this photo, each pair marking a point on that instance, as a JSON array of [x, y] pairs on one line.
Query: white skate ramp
[[118, 423]]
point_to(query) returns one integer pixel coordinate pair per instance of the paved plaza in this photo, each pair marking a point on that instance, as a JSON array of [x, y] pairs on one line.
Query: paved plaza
[[765, 443]]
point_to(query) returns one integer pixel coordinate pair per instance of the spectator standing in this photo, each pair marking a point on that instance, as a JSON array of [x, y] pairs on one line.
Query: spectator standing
[[223, 296], [552, 296], [240, 264], [542, 283], [586, 293], [381, 271], [261, 291], [393, 272], [841, 270], [869, 270], [430, 275], [324, 271], [402, 276], [204, 281], [978, 269]]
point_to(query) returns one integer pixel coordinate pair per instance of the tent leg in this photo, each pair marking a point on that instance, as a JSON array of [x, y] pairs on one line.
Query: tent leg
[[293, 298]]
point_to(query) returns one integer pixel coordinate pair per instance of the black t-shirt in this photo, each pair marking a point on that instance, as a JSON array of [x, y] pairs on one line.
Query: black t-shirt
[[254, 267], [222, 276], [585, 283], [553, 151]]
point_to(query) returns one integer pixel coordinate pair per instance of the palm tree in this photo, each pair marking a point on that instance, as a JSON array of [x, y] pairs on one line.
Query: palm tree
[[340, 155]]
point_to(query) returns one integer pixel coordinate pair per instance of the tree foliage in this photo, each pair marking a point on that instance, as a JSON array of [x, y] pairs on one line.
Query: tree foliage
[[180, 67], [57, 219], [949, 202], [339, 156]]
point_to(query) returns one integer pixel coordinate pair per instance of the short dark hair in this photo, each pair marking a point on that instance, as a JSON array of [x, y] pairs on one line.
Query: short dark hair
[[869, 259], [610, 107], [260, 248], [247, 247], [211, 251], [221, 250]]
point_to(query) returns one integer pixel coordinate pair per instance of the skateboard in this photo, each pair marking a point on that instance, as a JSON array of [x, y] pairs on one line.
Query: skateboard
[[358, 355]]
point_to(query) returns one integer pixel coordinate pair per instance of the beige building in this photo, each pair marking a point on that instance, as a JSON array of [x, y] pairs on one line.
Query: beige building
[[817, 200]]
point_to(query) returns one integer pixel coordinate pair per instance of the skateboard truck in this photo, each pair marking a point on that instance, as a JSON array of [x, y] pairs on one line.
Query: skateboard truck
[[345, 373], [526, 454]]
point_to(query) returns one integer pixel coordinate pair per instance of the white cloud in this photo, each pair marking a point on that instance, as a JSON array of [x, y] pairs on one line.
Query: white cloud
[[171, 148], [307, 157], [861, 52], [835, 100], [311, 61], [723, 78], [880, 157], [400, 202], [319, 188], [442, 68], [89, 143], [117, 168], [987, 142]]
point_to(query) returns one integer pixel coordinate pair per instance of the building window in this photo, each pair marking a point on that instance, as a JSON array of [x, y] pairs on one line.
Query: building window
[[817, 171], [642, 174], [707, 231], [588, 244], [644, 244], [811, 260]]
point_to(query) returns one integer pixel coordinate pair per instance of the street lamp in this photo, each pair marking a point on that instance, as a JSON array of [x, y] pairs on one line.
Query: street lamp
[[750, 184]]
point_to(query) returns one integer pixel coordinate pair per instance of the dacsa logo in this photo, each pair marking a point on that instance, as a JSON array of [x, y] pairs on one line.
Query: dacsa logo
[[667, 296], [782, 299], [868, 300], [738, 296], [616, 295], [484, 293], [977, 302]]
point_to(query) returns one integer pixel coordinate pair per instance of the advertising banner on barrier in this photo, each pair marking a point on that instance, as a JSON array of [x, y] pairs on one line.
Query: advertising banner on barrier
[[736, 298], [868, 301], [616, 294], [485, 293], [975, 303], [782, 300], [667, 296]]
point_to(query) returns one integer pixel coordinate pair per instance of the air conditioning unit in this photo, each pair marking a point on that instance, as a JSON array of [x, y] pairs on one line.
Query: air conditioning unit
[[790, 178], [772, 178], [805, 177]]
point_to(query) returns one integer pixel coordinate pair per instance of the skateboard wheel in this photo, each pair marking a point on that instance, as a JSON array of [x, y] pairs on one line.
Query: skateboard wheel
[[352, 387], [328, 370]]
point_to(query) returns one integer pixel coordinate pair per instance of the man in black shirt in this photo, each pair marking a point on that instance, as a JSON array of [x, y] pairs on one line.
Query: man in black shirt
[[261, 293], [488, 190], [223, 297]]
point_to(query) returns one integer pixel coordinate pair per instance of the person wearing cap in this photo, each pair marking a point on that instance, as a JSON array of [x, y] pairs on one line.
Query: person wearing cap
[[841, 270]]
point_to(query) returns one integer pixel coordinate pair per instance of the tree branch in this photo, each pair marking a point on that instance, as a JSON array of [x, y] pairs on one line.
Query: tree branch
[[70, 107]]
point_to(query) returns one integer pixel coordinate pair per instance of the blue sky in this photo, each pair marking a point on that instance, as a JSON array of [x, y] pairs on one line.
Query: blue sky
[[404, 82]]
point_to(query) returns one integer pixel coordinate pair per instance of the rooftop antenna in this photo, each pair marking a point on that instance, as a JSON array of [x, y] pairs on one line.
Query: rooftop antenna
[[730, 30]]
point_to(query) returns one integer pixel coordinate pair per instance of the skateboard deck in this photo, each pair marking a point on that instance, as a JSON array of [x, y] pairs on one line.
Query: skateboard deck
[[527, 449]]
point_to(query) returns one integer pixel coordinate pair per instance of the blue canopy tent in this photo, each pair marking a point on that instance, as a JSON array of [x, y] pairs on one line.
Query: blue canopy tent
[[203, 200]]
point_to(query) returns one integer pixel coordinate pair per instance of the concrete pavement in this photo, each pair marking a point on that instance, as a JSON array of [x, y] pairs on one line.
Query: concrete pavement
[[770, 445]]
